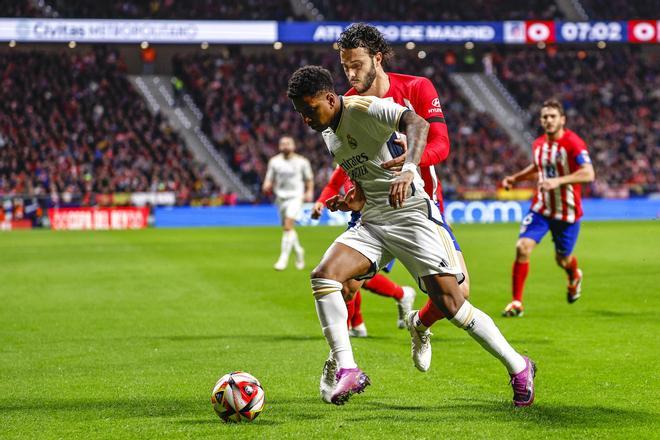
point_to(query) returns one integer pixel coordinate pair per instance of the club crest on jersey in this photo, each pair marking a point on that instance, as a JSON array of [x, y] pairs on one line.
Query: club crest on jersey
[[352, 142]]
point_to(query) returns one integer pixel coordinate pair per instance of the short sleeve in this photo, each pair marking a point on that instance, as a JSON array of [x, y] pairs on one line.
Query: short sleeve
[[579, 151], [388, 113]]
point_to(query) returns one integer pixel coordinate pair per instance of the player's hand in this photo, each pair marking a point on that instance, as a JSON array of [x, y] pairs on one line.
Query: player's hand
[[317, 210], [308, 196], [354, 200], [396, 163], [548, 184], [507, 182], [399, 188], [267, 188]]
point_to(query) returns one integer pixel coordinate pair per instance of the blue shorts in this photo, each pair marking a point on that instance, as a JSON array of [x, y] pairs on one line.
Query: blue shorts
[[564, 234], [451, 233]]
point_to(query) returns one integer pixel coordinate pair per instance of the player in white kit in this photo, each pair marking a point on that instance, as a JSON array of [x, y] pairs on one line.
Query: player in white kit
[[398, 221], [290, 177]]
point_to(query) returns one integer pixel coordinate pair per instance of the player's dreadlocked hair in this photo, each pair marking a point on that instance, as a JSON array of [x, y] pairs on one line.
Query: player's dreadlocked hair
[[308, 81], [367, 36]]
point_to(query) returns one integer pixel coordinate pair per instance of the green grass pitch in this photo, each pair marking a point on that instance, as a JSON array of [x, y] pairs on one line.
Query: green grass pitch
[[123, 334]]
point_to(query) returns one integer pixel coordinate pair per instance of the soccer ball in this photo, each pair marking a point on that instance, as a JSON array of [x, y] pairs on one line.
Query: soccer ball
[[238, 397]]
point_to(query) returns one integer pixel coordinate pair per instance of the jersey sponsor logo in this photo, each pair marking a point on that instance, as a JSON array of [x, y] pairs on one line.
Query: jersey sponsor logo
[[352, 162], [352, 142], [435, 106]]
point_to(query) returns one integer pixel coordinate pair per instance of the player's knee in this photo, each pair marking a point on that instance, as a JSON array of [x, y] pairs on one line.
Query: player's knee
[[318, 272], [324, 286], [465, 287], [523, 249], [446, 294], [348, 292], [562, 260], [323, 272]]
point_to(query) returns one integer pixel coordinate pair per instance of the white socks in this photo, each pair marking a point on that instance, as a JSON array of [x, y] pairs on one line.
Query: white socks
[[289, 241], [287, 244], [482, 329], [296, 244], [331, 308]]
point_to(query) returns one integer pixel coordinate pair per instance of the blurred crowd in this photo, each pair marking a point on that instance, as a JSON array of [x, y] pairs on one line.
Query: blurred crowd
[[72, 128], [344, 10], [154, 9], [243, 98], [468, 10], [612, 99], [621, 9]]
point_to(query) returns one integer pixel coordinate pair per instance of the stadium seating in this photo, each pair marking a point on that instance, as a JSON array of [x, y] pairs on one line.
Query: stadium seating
[[621, 9], [72, 128], [612, 99], [158, 9], [477, 10]]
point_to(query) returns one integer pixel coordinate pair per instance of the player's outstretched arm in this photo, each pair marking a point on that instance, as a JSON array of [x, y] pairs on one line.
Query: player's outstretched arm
[[267, 186], [338, 180], [527, 173]]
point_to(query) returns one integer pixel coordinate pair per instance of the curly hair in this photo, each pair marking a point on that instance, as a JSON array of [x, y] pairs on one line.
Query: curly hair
[[308, 81], [366, 36]]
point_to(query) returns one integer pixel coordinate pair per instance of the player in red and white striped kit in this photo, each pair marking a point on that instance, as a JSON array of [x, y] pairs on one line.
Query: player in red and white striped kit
[[561, 164]]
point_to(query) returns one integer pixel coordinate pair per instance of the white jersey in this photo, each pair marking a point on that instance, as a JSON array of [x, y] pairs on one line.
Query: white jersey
[[361, 143], [289, 175]]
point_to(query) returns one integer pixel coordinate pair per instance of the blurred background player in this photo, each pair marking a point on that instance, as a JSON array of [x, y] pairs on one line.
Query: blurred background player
[[397, 222], [379, 284], [363, 49], [560, 164], [289, 176]]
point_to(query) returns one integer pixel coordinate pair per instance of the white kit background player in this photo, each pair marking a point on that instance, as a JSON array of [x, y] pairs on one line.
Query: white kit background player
[[398, 221], [290, 178]]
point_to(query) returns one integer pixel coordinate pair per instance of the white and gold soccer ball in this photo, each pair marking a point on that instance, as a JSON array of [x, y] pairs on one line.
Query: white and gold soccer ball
[[238, 397]]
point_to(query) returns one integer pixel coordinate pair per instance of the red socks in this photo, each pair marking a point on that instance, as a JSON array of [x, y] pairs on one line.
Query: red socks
[[429, 314], [571, 267], [357, 315], [350, 306], [383, 286], [519, 275], [354, 311]]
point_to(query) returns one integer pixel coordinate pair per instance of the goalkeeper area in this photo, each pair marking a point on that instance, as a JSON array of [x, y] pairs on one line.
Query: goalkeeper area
[[122, 334]]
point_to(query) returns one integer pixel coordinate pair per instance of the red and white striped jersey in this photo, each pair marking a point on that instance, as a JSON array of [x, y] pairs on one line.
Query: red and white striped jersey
[[419, 95], [556, 159]]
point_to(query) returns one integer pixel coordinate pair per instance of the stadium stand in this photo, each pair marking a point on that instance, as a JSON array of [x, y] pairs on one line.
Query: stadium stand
[[394, 10], [156, 9], [73, 129], [621, 9], [612, 98]]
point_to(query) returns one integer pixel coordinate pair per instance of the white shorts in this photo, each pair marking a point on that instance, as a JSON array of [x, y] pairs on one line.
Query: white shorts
[[289, 208], [417, 240]]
